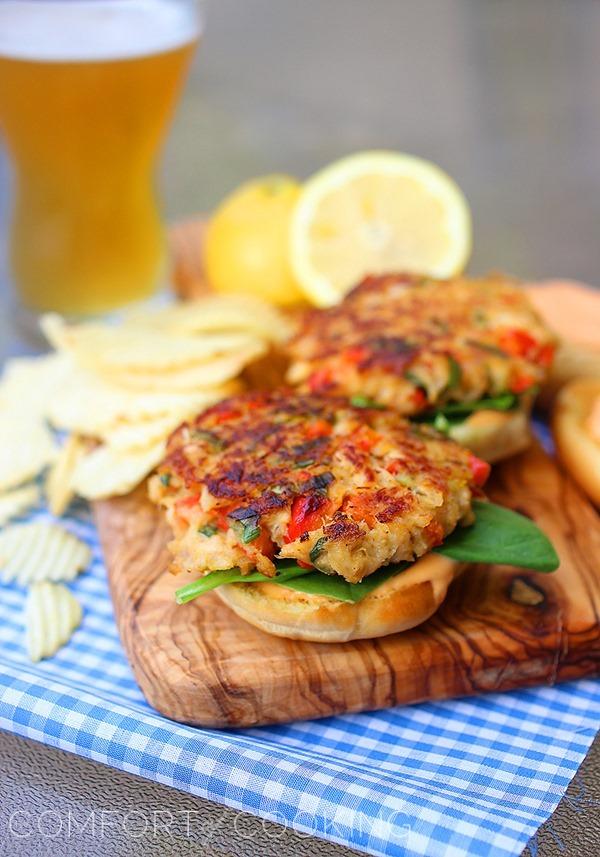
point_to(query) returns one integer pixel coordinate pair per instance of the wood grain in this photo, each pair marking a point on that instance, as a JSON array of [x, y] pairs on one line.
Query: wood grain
[[499, 628]]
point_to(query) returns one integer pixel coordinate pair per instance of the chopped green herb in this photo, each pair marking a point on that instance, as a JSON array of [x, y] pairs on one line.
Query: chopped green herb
[[304, 463], [208, 530], [454, 373], [250, 532], [317, 548], [365, 402], [487, 346], [209, 437], [441, 422], [165, 478], [277, 489]]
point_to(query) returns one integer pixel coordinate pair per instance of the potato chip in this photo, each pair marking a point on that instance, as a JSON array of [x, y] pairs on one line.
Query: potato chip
[[59, 488], [40, 551], [108, 348], [106, 472], [92, 406], [17, 501], [26, 448], [129, 436], [29, 383], [52, 613], [204, 375], [220, 313]]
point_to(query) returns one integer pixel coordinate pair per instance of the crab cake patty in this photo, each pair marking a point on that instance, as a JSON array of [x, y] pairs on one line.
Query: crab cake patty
[[415, 344], [346, 490]]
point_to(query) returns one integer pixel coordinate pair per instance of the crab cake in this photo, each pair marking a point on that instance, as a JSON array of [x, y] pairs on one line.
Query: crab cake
[[465, 354], [341, 488]]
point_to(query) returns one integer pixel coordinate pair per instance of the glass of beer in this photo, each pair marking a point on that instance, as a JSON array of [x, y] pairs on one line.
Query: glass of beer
[[87, 89]]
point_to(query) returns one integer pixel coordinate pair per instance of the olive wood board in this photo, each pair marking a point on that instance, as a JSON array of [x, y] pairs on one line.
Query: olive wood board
[[499, 628]]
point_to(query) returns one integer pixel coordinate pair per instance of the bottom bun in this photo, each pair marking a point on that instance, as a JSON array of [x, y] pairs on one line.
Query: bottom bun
[[494, 435], [403, 601]]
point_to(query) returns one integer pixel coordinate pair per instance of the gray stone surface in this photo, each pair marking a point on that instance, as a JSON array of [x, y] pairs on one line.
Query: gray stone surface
[[504, 94]]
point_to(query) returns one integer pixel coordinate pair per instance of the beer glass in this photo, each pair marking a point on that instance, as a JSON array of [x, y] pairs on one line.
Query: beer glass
[[87, 88]]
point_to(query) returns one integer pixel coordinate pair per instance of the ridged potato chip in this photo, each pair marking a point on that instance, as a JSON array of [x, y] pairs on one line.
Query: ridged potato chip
[[92, 406], [26, 448], [29, 383], [129, 436], [106, 472], [192, 378], [220, 313], [109, 348], [52, 613], [17, 501], [40, 551], [59, 480]]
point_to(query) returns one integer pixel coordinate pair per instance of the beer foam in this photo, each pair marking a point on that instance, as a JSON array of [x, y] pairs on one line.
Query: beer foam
[[91, 30]]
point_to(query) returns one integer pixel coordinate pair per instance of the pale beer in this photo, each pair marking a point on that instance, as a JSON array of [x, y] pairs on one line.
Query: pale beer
[[86, 92]]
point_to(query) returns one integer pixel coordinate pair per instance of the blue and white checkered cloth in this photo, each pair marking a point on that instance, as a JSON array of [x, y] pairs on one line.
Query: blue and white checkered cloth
[[463, 777]]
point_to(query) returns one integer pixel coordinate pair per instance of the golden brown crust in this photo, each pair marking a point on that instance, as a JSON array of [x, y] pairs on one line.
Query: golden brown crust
[[494, 435], [402, 602], [577, 447], [312, 478], [415, 344]]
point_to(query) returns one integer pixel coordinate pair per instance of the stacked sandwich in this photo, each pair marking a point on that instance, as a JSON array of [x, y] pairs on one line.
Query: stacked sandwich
[[342, 507]]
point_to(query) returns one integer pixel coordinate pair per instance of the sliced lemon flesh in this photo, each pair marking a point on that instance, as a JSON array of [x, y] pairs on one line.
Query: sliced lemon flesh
[[374, 213]]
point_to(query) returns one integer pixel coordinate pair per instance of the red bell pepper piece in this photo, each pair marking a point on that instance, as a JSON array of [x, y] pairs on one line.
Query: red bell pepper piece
[[521, 383], [320, 380], [318, 428], [480, 470], [307, 514]]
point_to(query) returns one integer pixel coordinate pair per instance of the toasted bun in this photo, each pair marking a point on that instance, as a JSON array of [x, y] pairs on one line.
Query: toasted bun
[[572, 361], [403, 601], [494, 435], [577, 448]]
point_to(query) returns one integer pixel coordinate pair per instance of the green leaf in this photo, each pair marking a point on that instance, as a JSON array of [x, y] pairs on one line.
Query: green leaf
[[334, 586], [454, 373], [441, 422], [455, 412], [165, 478], [498, 535], [503, 537], [365, 402], [285, 571]]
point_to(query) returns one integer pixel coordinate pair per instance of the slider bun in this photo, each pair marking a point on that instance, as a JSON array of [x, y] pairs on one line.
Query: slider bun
[[578, 450], [571, 361], [403, 601], [494, 435]]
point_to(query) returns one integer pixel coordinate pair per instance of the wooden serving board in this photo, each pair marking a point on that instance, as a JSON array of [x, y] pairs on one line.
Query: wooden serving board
[[499, 628]]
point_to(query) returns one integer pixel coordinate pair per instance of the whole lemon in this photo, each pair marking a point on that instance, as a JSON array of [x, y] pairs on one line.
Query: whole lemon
[[247, 241]]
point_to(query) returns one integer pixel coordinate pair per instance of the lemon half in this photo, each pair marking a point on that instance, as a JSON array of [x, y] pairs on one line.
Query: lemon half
[[376, 212]]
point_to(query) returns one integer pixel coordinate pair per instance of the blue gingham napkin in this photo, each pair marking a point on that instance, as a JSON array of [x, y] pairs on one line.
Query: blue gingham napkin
[[470, 776]]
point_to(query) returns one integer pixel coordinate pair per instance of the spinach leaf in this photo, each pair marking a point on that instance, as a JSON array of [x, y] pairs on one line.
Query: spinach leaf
[[286, 570], [500, 536], [334, 586], [505, 402]]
